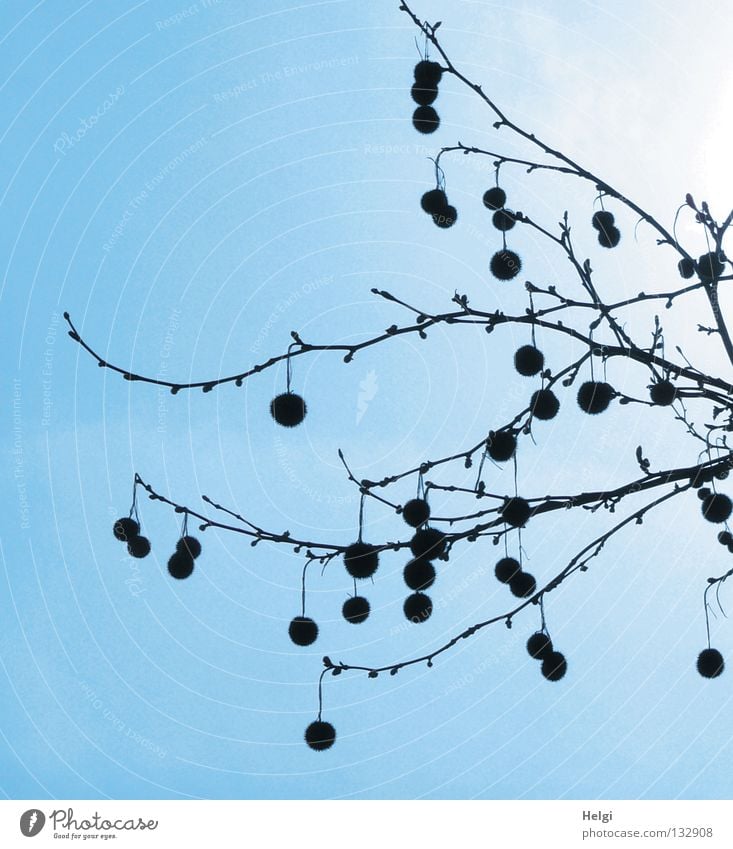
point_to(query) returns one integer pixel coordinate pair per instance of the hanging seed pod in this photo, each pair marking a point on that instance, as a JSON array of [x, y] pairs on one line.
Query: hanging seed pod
[[303, 630], [494, 198], [505, 265], [425, 120], [416, 512], [594, 397], [288, 409], [356, 609], [125, 529], [361, 560], [529, 361], [320, 736], [428, 73]]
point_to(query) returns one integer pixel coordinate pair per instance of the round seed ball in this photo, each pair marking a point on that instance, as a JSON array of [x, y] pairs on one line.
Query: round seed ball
[[609, 238], [138, 546], [424, 95], [180, 565], [303, 631], [418, 607], [710, 663], [434, 201], [320, 736], [428, 72], [523, 585], [190, 545], [594, 397], [505, 265], [428, 544], [602, 220], [539, 645], [516, 511], [717, 508], [554, 666], [288, 409], [445, 218], [419, 574], [416, 512], [544, 404], [425, 120], [501, 445], [528, 360], [709, 266], [494, 198], [725, 538], [125, 529], [503, 220], [506, 569], [361, 560], [663, 393], [686, 267], [356, 609]]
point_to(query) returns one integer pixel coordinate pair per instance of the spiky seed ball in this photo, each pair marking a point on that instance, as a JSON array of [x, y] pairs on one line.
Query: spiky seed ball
[[320, 736], [425, 119], [539, 645], [602, 220], [190, 545], [503, 219], [125, 529], [419, 574], [303, 631], [725, 538], [698, 479], [501, 445], [544, 404], [418, 607], [361, 560], [505, 265], [717, 508], [554, 666], [686, 267], [494, 198], [506, 569], [709, 266], [288, 409], [523, 585], [516, 511], [138, 546], [609, 238], [446, 218], [356, 609], [429, 544], [710, 663], [594, 397], [416, 512], [434, 201], [424, 95], [528, 360], [180, 565], [663, 393], [428, 73], [703, 493]]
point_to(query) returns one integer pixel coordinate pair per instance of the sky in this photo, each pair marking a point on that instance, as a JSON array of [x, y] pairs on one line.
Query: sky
[[194, 182]]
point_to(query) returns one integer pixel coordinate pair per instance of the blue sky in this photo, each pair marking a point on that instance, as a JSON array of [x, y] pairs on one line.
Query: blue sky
[[192, 183]]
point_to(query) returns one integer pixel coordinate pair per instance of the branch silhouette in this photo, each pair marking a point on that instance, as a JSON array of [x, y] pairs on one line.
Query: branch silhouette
[[580, 318]]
